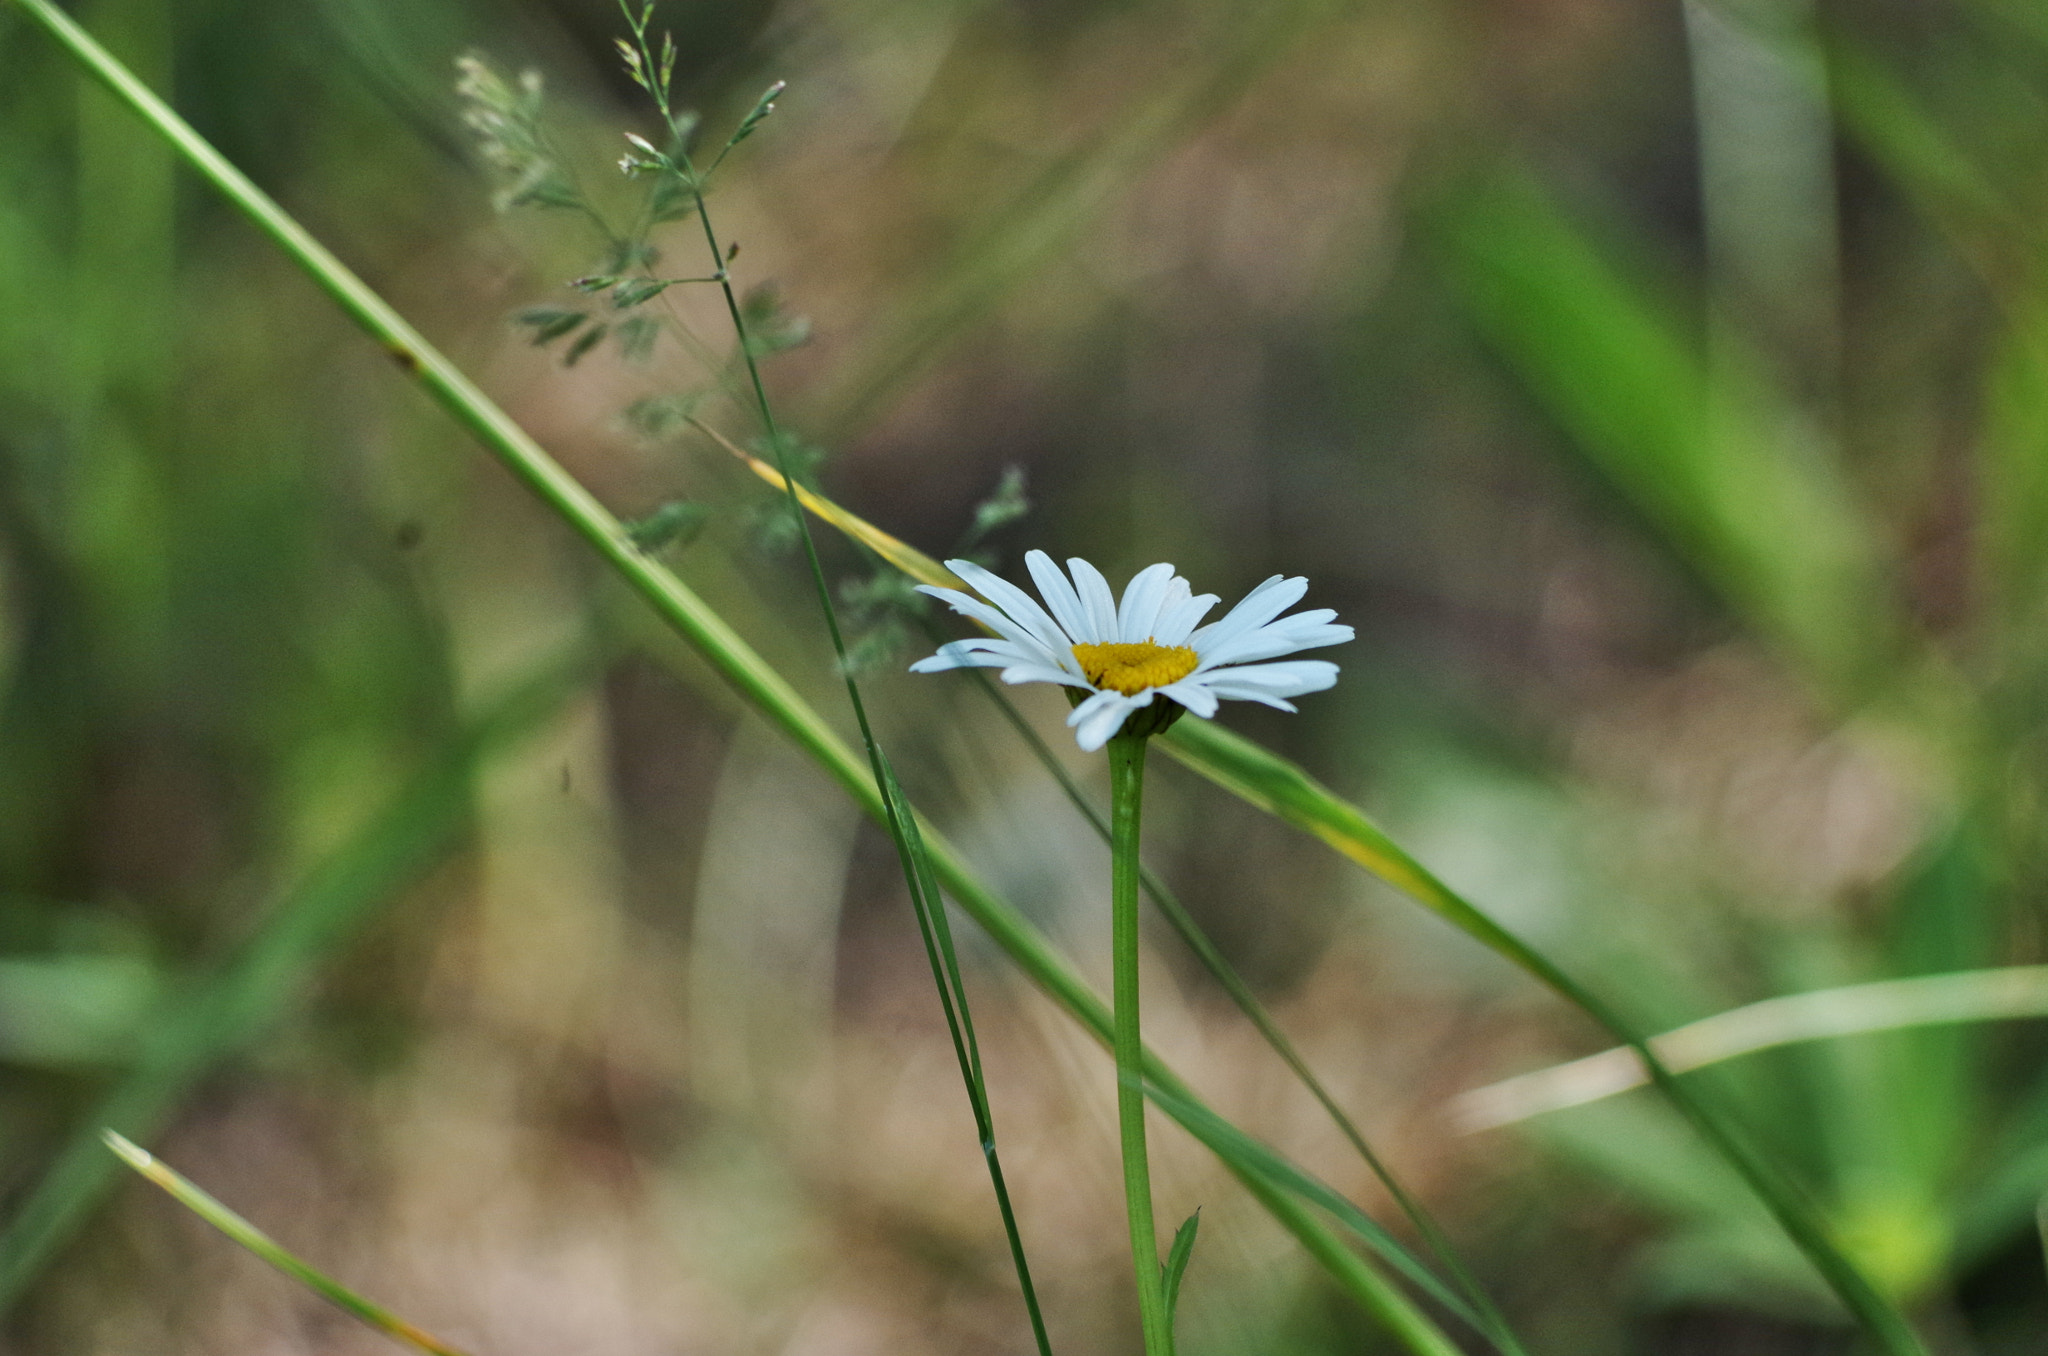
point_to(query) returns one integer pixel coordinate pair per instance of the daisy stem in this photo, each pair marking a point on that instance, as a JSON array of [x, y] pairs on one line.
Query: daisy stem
[[1126, 798]]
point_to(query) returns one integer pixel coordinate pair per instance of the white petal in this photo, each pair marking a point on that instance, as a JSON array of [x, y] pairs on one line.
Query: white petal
[[1060, 597], [1096, 599], [1260, 606], [1102, 715], [996, 621], [1039, 673], [1289, 679], [1263, 698], [973, 654], [1019, 605], [1303, 631], [1196, 697], [1139, 612], [1177, 620]]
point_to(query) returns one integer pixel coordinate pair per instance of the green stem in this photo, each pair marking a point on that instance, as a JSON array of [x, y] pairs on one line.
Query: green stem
[[1126, 799]]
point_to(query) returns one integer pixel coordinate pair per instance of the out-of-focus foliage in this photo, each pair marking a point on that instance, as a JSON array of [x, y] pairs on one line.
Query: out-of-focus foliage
[[1662, 392]]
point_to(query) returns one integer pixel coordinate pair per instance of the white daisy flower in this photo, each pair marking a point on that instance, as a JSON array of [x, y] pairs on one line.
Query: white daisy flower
[[1126, 653]]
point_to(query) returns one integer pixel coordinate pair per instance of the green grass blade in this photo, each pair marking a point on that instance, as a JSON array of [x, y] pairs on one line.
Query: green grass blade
[[898, 818], [310, 922], [247, 1235], [930, 907], [714, 639]]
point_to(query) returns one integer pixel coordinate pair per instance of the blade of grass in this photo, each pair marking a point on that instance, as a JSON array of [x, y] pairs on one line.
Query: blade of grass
[[1856, 1009], [238, 1230], [1285, 790], [708, 633], [937, 932], [310, 922]]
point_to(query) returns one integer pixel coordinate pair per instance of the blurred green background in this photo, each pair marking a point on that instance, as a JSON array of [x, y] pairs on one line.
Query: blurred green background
[[1660, 389]]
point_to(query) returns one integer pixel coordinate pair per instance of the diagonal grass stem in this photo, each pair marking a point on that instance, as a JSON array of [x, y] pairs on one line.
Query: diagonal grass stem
[[246, 1235]]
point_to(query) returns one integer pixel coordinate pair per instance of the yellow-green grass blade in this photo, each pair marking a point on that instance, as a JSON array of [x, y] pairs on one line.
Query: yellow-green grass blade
[[899, 553], [2002, 994], [311, 921], [714, 639], [186, 1193]]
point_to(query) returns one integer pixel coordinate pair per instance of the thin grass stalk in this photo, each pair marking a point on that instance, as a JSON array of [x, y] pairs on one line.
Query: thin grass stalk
[[930, 906], [247, 1236], [910, 854], [708, 633], [1126, 799]]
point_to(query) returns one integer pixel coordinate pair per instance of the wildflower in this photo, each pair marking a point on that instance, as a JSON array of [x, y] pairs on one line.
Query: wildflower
[[1124, 654]]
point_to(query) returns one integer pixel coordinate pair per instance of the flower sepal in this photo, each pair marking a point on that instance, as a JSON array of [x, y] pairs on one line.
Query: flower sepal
[[1144, 722]]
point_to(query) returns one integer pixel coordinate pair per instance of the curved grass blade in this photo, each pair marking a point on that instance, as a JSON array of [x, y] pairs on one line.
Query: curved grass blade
[[1856, 1009], [240, 1231], [707, 632], [317, 916]]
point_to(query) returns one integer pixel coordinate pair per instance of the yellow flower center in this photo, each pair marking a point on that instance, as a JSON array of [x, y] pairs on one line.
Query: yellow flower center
[[1130, 669]]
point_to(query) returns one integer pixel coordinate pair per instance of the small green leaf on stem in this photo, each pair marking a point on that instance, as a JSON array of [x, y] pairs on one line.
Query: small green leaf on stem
[[549, 323], [585, 342], [659, 416], [675, 523], [637, 334], [639, 291], [1177, 1259], [762, 108], [1005, 506]]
